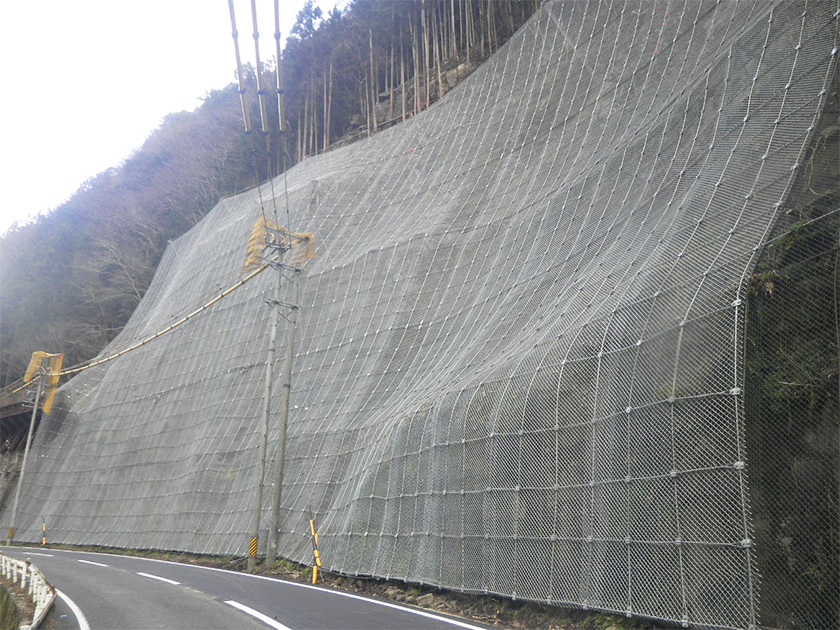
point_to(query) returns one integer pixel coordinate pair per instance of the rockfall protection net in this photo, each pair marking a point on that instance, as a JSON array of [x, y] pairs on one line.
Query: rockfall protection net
[[570, 336]]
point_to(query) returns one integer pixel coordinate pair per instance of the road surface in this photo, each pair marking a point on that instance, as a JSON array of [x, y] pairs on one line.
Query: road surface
[[104, 591]]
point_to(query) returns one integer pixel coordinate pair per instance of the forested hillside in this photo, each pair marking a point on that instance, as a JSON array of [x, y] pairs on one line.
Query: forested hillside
[[72, 277]]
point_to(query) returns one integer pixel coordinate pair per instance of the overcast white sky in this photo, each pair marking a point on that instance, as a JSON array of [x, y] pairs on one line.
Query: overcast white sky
[[86, 81]]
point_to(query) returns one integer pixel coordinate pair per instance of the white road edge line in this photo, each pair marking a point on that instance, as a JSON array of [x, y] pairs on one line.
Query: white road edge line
[[96, 564], [258, 615], [80, 616], [414, 611], [46, 555], [157, 577]]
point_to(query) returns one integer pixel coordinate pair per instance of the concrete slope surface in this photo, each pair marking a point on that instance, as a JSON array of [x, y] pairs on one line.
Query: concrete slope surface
[[519, 359]]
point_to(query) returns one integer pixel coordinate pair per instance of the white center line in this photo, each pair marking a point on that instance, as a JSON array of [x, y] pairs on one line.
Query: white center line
[[258, 615], [157, 577], [96, 564], [80, 616], [374, 602]]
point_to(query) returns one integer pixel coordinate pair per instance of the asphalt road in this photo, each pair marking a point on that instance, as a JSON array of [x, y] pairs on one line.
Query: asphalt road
[[105, 591]]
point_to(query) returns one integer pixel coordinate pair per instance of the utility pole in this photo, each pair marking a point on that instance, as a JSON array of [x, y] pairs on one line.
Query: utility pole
[[274, 303], [277, 494], [269, 243], [41, 377]]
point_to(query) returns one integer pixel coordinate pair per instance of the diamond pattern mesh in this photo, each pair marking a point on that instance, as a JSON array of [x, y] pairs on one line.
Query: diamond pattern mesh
[[537, 354]]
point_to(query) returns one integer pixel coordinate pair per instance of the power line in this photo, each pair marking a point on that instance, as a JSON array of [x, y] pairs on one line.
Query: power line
[[85, 365]]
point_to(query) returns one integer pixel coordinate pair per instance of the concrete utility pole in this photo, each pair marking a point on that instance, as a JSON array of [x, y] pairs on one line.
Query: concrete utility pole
[[269, 369], [42, 374], [277, 495]]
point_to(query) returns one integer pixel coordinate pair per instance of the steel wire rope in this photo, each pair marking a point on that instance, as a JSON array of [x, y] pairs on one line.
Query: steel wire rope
[[535, 373], [20, 385], [740, 421], [580, 327], [635, 279], [429, 163], [836, 289], [16, 386], [602, 217], [639, 281], [543, 133], [386, 154], [427, 331], [363, 263], [606, 207], [484, 166], [93, 363], [743, 504], [357, 194], [695, 138], [431, 344], [404, 258], [514, 267]]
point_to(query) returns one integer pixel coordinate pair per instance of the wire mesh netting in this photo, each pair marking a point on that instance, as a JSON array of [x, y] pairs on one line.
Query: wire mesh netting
[[570, 336]]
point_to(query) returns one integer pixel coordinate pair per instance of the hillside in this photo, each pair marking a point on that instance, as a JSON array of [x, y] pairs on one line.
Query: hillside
[[72, 277], [566, 337]]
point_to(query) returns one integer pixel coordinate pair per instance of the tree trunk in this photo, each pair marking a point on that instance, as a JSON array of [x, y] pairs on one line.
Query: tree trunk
[[328, 88], [299, 137], [314, 111], [325, 140], [373, 90], [453, 34], [402, 76], [470, 28], [491, 26], [415, 61], [436, 32], [482, 29], [426, 53], [365, 99], [391, 85], [305, 126]]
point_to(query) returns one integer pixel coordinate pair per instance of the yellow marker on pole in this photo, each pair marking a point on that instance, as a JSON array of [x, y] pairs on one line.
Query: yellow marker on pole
[[44, 539], [315, 551], [253, 547]]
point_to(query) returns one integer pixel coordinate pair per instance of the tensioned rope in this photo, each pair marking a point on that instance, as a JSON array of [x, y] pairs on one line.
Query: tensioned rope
[[20, 384], [85, 365]]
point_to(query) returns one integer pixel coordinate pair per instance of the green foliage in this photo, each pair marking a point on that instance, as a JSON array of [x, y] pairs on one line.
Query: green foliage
[[793, 420], [9, 614], [305, 23], [604, 621], [792, 396]]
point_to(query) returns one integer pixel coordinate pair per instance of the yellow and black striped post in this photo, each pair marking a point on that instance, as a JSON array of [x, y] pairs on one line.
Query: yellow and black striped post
[[315, 551], [252, 548], [44, 539]]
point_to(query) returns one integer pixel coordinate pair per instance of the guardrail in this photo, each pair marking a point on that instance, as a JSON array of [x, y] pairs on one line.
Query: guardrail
[[28, 577]]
